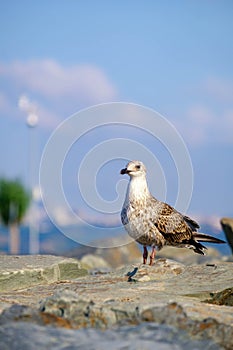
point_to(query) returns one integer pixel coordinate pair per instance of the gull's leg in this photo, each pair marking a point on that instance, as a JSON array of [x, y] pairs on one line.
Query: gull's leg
[[152, 256], [145, 254]]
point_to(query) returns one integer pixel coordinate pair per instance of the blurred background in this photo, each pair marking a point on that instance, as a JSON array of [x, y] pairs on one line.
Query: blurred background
[[58, 57]]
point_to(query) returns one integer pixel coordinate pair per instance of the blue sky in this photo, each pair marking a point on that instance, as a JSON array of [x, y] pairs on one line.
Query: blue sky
[[172, 56]]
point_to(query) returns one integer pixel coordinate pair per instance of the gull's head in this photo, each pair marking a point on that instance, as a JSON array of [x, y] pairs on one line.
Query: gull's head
[[134, 168]]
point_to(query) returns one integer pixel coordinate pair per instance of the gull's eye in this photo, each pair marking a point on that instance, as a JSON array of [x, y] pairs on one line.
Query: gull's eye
[[138, 167]]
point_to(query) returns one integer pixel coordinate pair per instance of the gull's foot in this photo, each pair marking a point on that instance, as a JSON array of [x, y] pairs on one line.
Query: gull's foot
[[152, 256], [151, 261]]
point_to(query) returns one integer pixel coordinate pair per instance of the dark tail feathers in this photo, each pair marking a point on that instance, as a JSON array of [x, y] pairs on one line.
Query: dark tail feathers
[[202, 237]]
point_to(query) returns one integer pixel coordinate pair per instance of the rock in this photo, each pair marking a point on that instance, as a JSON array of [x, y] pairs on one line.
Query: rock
[[23, 313], [84, 314], [21, 336], [122, 253], [18, 272], [227, 226], [188, 257], [162, 304], [161, 269], [95, 262], [225, 297], [174, 315], [81, 312]]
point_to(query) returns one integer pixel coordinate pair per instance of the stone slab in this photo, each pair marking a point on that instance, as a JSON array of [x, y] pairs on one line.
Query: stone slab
[[109, 299], [19, 272]]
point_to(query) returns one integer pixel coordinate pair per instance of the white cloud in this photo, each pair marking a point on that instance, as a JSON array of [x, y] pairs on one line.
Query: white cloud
[[205, 125], [200, 114], [53, 80], [57, 89], [219, 89], [210, 118]]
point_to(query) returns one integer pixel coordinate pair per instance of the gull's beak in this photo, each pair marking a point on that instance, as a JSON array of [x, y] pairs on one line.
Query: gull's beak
[[124, 171]]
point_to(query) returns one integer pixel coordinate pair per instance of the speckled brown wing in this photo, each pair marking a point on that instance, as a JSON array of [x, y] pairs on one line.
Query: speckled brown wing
[[172, 225], [192, 224]]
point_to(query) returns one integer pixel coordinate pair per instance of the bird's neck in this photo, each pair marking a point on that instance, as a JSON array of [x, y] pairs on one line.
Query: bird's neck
[[138, 189]]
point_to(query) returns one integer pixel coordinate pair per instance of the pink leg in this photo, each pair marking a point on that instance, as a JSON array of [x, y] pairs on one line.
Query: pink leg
[[152, 256], [145, 254]]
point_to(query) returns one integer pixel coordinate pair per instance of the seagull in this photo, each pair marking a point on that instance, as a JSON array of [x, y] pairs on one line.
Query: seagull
[[154, 223]]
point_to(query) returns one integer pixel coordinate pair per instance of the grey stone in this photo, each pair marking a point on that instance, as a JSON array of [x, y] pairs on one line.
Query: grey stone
[[124, 251], [167, 294], [83, 312], [209, 328], [18, 272], [22, 336], [23, 313], [187, 257], [95, 261]]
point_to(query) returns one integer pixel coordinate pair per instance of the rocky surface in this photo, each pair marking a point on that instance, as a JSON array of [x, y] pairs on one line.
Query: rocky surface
[[17, 272], [146, 336], [136, 306]]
